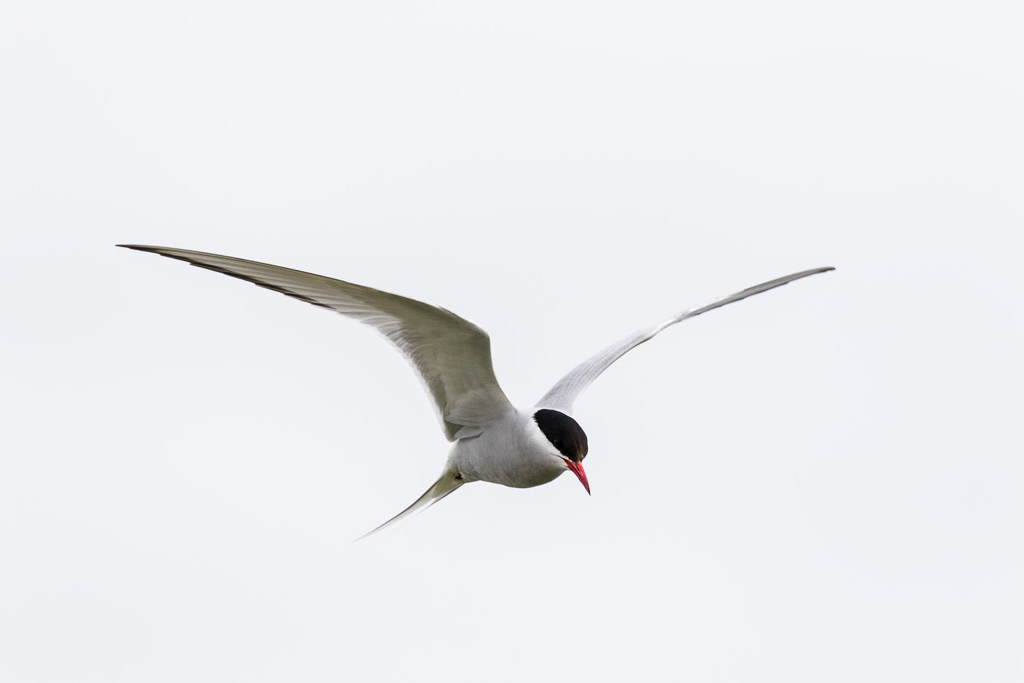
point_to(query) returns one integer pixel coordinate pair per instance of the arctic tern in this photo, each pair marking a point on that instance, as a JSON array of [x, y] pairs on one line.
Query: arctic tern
[[493, 440]]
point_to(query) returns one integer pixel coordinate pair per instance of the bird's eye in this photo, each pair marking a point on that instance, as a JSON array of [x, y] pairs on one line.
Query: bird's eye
[[557, 443]]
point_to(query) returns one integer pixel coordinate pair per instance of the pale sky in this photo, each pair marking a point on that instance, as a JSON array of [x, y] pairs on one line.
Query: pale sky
[[822, 483]]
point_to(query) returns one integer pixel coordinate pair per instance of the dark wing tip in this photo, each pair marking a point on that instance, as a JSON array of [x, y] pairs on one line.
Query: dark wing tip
[[164, 251], [141, 247]]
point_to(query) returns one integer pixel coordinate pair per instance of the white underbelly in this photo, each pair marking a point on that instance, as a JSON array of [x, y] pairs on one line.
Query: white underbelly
[[504, 461]]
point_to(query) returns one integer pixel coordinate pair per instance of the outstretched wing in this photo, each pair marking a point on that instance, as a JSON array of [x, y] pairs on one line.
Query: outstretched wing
[[563, 395], [452, 356]]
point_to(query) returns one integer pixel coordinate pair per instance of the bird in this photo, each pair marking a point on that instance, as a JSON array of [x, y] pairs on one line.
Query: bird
[[492, 440]]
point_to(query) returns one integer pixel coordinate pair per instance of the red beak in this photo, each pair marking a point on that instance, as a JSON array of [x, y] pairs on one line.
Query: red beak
[[577, 469]]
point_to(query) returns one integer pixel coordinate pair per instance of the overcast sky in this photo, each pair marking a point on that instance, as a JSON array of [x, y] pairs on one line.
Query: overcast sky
[[822, 483]]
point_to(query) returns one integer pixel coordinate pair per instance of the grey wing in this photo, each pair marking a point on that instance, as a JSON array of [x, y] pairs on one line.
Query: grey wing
[[452, 356], [563, 395]]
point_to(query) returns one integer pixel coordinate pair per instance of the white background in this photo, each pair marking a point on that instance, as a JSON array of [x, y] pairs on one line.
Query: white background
[[819, 484]]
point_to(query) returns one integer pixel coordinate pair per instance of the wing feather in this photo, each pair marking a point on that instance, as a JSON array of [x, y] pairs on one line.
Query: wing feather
[[451, 355], [563, 395]]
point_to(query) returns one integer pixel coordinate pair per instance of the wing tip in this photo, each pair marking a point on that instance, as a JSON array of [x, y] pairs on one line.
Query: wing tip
[[799, 276], [820, 269], [141, 247]]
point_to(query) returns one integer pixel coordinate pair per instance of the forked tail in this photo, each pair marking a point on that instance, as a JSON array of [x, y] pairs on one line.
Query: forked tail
[[441, 488]]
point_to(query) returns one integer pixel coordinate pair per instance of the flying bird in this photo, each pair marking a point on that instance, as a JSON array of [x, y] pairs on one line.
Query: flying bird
[[493, 440]]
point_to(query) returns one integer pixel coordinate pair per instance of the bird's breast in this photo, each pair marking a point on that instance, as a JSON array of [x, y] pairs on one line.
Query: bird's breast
[[499, 457]]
